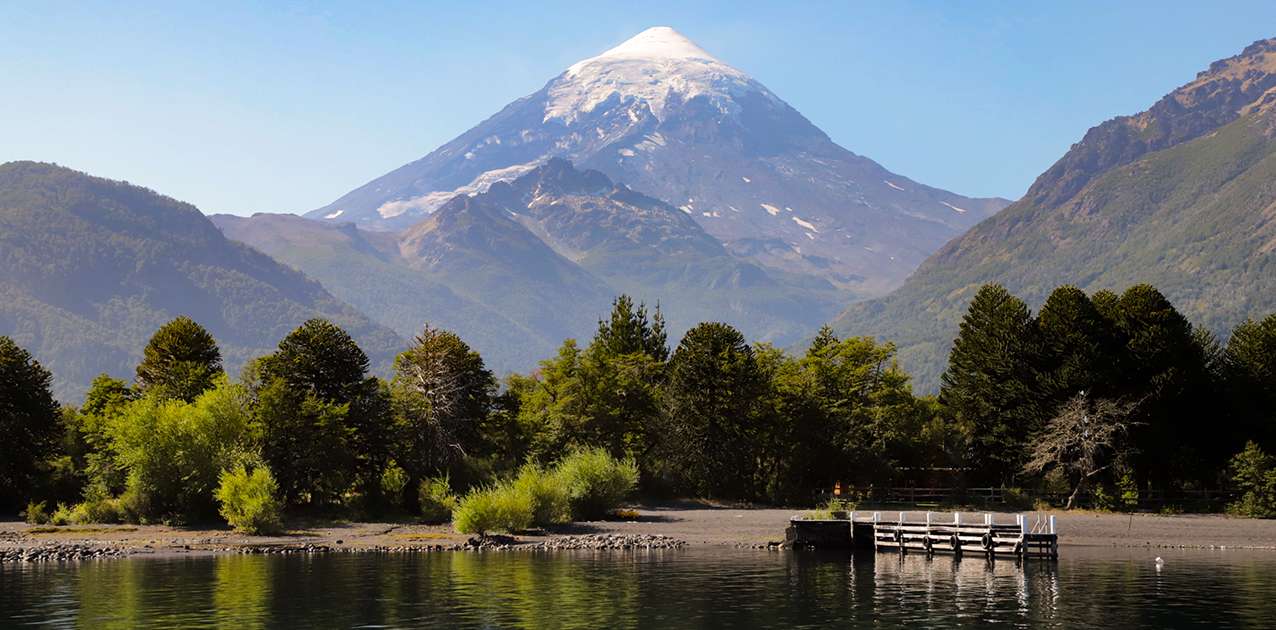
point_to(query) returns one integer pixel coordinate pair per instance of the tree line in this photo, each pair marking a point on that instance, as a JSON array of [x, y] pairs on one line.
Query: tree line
[[1105, 392]]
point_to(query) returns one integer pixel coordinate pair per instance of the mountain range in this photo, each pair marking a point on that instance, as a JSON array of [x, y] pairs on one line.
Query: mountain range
[[529, 262], [666, 118], [1182, 196]]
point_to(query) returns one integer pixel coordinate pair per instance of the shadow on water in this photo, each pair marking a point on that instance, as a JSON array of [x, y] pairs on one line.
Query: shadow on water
[[702, 588]]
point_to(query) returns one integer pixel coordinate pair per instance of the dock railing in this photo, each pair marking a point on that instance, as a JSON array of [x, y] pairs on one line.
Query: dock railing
[[1028, 536]]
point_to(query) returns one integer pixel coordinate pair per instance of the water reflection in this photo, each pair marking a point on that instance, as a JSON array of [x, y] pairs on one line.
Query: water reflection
[[696, 588]]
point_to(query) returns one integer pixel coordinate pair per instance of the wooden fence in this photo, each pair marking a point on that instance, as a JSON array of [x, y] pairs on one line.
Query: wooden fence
[[1011, 498]]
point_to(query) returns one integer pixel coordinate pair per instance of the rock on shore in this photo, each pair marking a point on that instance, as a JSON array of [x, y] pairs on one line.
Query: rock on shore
[[60, 553]]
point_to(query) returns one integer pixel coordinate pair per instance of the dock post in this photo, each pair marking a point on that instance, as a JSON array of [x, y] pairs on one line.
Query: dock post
[[1052, 524]]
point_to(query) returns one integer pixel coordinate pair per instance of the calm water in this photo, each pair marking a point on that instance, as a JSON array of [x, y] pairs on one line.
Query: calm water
[[671, 589]]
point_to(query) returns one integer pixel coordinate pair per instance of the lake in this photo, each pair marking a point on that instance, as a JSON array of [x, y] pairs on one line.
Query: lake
[[693, 588]]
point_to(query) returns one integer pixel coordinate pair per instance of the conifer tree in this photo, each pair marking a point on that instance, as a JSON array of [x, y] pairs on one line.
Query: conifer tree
[[326, 422], [1077, 347], [990, 383], [629, 331], [1249, 365], [1164, 370], [443, 393], [181, 361], [711, 404], [29, 420]]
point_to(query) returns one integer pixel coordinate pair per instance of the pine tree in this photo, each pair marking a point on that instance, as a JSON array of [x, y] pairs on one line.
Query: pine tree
[[990, 383], [181, 361], [29, 420]]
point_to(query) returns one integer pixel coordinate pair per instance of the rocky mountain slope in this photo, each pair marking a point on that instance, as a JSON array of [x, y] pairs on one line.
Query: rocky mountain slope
[[1182, 196], [529, 262], [93, 267], [667, 118]]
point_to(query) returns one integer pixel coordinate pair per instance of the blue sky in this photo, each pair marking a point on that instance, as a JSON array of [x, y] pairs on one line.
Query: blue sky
[[281, 107]]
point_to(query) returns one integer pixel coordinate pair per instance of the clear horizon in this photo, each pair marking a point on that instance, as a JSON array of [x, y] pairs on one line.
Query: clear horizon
[[246, 108]]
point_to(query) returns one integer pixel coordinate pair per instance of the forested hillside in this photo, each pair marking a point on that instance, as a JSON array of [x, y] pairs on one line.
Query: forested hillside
[[92, 267], [1180, 196]]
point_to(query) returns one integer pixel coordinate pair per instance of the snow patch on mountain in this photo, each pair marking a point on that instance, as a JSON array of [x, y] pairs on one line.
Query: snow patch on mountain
[[892, 185], [959, 210], [806, 224], [334, 214], [431, 201], [772, 210]]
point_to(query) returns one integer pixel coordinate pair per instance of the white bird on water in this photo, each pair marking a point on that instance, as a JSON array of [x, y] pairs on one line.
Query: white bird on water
[[1159, 563]]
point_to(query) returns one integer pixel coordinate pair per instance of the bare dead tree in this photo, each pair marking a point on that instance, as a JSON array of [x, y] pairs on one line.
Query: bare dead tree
[[1082, 440]]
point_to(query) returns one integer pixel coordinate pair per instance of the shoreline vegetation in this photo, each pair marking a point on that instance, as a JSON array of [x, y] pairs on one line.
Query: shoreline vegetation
[[1095, 401]]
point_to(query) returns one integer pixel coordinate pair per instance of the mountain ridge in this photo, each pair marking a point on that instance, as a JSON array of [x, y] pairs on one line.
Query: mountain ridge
[[1178, 196], [547, 250], [94, 266]]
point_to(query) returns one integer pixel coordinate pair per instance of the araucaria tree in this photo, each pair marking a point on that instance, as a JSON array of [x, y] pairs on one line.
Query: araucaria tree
[[28, 420], [711, 409], [325, 421], [1082, 440], [181, 361], [990, 384], [442, 395]]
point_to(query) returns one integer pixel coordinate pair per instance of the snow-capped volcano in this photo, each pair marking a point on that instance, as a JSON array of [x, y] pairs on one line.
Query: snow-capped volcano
[[667, 118], [652, 67]]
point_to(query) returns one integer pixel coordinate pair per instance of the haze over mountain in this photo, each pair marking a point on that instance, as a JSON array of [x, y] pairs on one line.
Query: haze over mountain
[[529, 262], [92, 267], [1182, 196], [663, 116]]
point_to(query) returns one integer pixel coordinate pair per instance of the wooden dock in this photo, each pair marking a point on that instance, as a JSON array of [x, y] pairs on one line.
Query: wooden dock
[[1027, 537]]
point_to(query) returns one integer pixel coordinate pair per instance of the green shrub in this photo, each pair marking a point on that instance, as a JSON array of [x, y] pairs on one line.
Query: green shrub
[[1101, 498], [61, 516], [250, 499], [1254, 476], [393, 481], [495, 508], [595, 482], [1128, 491], [436, 500], [835, 509], [99, 509], [173, 451], [547, 493], [36, 513]]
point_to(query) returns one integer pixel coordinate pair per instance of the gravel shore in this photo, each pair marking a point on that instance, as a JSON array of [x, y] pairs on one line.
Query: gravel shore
[[655, 527]]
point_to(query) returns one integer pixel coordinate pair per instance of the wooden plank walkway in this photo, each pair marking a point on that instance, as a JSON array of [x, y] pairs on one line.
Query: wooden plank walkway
[[1027, 537]]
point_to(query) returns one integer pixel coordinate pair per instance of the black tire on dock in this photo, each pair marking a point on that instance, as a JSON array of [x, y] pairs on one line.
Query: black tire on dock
[[986, 541]]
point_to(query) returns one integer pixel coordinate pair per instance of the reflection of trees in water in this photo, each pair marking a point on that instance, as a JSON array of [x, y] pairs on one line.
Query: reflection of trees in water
[[241, 592], [700, 588], [543, 591]]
